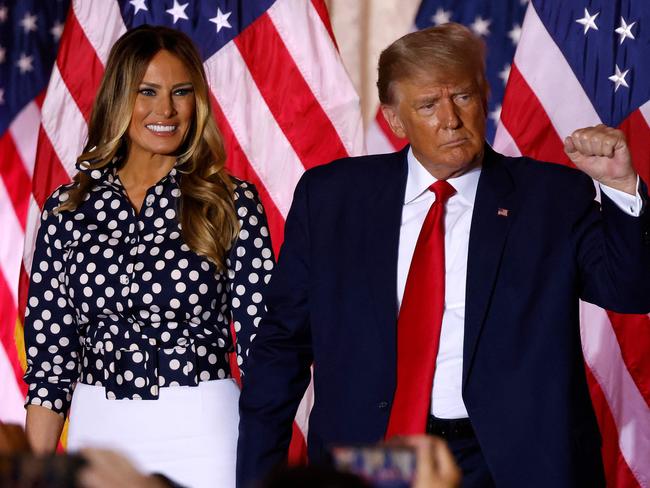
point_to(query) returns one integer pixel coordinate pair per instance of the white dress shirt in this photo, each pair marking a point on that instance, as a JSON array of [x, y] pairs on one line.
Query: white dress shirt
[[446, 398]]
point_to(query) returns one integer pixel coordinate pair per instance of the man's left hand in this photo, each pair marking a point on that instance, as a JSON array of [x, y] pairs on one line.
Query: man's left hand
[[603, 154]]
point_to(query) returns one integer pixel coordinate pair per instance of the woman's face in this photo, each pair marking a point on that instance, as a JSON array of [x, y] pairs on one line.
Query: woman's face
[[163, 110]]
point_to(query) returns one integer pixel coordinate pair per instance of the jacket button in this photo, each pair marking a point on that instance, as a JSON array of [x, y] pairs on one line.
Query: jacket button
[[382, 405]]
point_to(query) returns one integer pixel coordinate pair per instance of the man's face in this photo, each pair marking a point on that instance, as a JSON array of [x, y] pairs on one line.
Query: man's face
[[444, 120]]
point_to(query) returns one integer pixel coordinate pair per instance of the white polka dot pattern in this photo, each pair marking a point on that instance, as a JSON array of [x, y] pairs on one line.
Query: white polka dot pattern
[[118, 299]]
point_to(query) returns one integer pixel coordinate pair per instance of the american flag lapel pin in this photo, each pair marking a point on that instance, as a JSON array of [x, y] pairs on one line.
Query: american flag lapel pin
[[502, 212]]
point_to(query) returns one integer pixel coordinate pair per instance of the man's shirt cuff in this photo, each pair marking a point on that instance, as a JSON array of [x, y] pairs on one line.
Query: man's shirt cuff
[[630, 204]]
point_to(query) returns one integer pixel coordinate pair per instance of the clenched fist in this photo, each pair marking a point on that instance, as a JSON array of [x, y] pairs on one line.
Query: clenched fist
[[602, 153]]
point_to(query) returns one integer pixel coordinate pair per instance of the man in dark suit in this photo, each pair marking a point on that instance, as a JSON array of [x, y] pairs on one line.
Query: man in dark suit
[[502, 377]]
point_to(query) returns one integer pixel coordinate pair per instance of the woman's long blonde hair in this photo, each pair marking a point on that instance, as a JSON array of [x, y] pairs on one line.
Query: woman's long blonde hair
[[207, 214]]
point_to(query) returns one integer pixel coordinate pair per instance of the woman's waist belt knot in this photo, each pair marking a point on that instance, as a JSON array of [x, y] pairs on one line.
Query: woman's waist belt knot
[[138, 372]]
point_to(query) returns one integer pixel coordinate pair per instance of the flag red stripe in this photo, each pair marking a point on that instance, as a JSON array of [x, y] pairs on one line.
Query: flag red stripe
[[634, 347], [524, 116], [23, 288], [7, 328], [49, 174], [16, 179], [298, 447], [321, 8], [397, 142], [636, 128], [526, 120], [617, 472], [288, 96], [40, 98], [239, 166], [79, 65]]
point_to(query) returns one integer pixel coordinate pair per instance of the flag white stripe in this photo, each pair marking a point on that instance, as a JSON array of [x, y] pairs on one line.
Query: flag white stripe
[[627, 405], [11, 405], [551, 78], [24, 131], [376, 140], [305, 406], [504, 143], [645, 111], [307, 39], [61, 111], [11, 244], [101, 21], [31, 230], [259, 135]]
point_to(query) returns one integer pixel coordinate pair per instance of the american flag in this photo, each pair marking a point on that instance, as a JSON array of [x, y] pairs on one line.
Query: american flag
[[577, 63], [29, 37], [280, 94], [582, 63]]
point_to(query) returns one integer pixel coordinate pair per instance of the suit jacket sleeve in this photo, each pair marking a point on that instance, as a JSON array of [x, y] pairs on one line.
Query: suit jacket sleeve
[[614, 256], [278, 370]]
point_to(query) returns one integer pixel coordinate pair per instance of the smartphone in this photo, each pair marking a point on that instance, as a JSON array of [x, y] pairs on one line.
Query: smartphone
[[379, 465]]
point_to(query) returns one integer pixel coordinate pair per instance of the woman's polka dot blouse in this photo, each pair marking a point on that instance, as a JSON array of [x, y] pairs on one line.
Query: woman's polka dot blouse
[[117, 298]]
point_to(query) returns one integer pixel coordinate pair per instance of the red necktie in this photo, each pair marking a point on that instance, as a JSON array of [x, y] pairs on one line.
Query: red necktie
[[420, 321]]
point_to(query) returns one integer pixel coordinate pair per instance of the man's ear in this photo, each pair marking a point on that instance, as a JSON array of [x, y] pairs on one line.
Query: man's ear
[[393, 119]]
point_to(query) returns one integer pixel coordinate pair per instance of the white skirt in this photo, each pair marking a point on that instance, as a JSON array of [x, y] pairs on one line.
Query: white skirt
[[189, 434]]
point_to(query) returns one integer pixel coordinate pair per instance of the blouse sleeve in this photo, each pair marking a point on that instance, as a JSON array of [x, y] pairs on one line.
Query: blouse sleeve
[[51, 337], [249, 264]]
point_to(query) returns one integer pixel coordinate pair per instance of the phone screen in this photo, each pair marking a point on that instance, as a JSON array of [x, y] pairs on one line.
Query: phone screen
[[381, 466]]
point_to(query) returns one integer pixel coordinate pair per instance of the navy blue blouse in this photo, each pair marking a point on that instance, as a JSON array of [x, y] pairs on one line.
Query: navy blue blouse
[[118, 299]]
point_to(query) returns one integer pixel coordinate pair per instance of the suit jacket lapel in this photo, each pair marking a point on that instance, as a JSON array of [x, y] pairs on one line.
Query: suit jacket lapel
[[383, 211], [493, 212]]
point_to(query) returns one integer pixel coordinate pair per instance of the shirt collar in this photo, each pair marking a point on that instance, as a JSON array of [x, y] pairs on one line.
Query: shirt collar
[[99, 174], [108, 173], [419, 180]]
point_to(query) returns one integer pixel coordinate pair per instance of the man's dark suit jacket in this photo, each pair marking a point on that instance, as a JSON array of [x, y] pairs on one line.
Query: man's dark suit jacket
[[333, 301]]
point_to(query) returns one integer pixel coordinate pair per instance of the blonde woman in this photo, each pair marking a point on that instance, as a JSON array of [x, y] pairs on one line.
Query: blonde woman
[[140, 266]]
